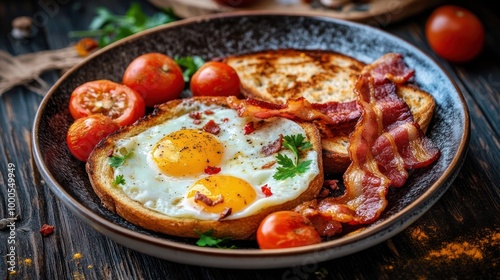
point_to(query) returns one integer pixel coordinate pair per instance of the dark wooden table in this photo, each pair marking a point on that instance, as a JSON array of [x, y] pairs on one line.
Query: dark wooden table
[[458, 238]]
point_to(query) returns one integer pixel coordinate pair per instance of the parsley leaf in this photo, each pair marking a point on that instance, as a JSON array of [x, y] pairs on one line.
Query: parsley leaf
[[289, 168], [190, 64], [295, 143], [115, 161], [207, 240], [119, 180]]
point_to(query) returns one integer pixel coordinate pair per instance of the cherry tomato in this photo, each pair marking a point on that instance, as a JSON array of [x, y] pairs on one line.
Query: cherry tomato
[[156, 76], [116, 101], [84, 134], [215, 79], [285, 229], [455, 33]]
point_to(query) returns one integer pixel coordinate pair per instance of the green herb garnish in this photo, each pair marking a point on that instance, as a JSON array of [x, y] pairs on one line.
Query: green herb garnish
[[190, 64], [115, 161], [119, 180], [289, 168], [108, 27], [207, 240]]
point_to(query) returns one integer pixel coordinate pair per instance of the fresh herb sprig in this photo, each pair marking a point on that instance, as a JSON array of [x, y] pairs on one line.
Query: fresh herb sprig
[[116, 161], [119, 180], [207, 240], [289, 168], [107, 27], [190, 64]]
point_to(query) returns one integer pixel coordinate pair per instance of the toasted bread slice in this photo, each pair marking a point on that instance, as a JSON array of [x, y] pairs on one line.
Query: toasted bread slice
[[115, 198], [279, 75], [320, 77]]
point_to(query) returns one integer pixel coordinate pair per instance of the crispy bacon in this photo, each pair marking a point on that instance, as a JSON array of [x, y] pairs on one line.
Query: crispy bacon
[[382, 147], [332, 113], [248, 128], [268, 165], [226, 212], [390, 66], [322, 223], [198, 196], [386, 142], [273, 147], [195, 115], [212, 127]]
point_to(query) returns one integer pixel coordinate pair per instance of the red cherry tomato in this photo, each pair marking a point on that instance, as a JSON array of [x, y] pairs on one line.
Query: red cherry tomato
[[215, 79], [455, 33], [156, 76], [116, 101], [84, 134], [285, 229]]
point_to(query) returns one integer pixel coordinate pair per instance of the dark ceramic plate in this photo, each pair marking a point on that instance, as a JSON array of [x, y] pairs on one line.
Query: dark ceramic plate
[[220, 35]]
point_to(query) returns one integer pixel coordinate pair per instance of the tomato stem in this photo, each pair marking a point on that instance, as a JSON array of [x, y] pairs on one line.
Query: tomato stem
[[165, 68]]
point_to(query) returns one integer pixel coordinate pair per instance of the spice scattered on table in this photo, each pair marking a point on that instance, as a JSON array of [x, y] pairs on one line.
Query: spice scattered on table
[[47, 230]]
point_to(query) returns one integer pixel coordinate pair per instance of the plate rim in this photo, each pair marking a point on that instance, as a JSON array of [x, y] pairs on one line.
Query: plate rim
[[259, 258]]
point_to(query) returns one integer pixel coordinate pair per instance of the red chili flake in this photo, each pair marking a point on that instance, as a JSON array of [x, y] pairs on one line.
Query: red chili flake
[[249, 128], [197, 121], [225, 120], [47, 230], [209, 112], [266, 190], [211, 170], [212, 127]]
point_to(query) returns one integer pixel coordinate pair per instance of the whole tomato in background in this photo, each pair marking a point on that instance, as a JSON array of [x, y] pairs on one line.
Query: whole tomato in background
[[156, 76], [455, 33]]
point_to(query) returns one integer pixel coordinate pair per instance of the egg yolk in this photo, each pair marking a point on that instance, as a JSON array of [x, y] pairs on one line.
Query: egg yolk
[[187, 152], [225, 191]]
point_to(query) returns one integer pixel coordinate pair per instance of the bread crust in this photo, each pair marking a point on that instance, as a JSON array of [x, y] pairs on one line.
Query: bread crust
[[114, 199], [331, 85]]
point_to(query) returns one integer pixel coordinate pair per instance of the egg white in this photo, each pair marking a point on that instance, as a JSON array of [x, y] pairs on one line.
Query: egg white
[[145, 183]]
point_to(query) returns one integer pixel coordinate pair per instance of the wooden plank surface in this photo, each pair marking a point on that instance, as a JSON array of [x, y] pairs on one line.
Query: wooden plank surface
[[458, 238]]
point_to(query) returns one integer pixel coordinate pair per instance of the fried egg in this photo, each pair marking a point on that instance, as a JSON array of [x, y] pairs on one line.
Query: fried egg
[[170, 166]]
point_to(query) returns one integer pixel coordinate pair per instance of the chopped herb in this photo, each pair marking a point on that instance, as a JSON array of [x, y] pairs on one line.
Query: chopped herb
[[190, 64], [119, 180], [115, 161], [108, 27], [290, 168], [207, 240]]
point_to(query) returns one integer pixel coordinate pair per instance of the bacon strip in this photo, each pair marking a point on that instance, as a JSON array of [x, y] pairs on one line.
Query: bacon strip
[[272, 147], [390, 66], [385, 143], [333, 113], [198, 196], [226, 212]]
